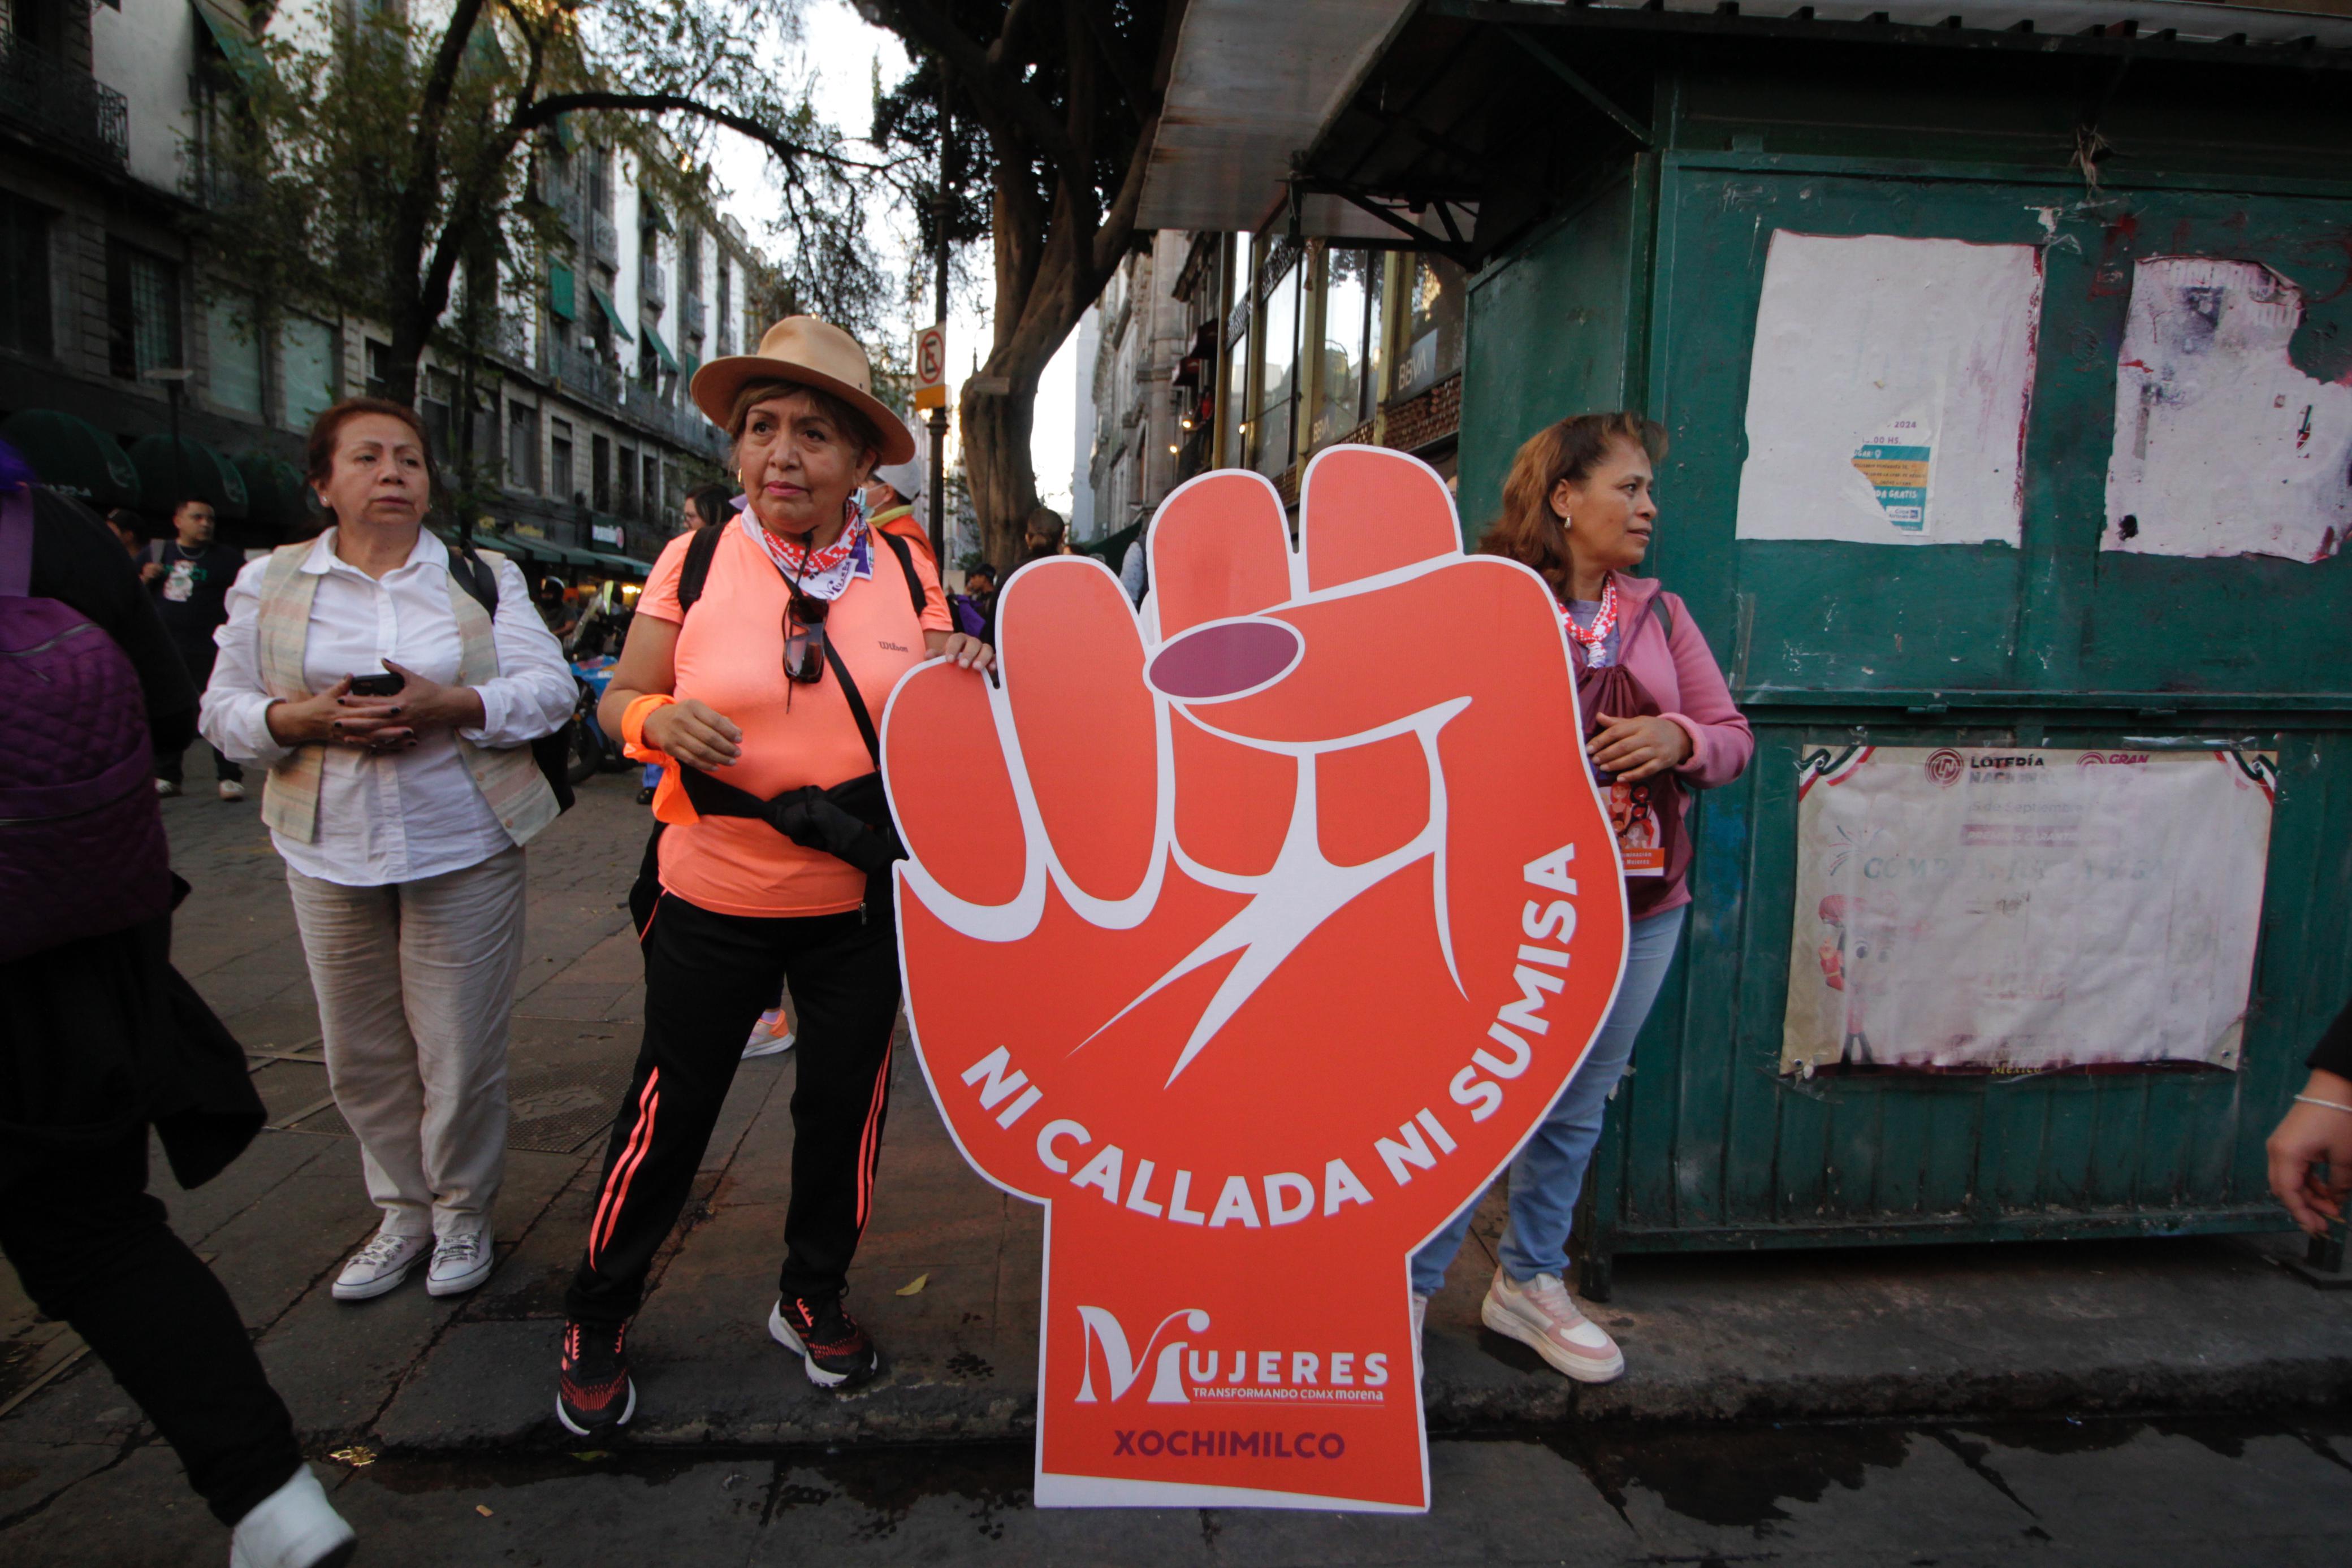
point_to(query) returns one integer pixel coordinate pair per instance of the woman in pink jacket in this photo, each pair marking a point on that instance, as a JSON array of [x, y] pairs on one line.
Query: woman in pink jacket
[[1659, 722]]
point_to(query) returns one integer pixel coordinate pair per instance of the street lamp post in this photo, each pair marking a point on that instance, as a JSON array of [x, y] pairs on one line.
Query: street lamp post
[[175, 378], [938, 416]]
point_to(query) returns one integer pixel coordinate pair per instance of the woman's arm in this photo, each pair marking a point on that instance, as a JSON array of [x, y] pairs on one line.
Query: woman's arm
[[1721, 742], [534, 691], [689, 730], [236, 711]]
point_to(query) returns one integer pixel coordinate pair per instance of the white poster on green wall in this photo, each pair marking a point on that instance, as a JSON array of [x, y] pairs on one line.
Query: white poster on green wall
[[1888, 389]]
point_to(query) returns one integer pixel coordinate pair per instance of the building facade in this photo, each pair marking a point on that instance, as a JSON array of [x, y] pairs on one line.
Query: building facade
[[1257, 350], [578, 441]]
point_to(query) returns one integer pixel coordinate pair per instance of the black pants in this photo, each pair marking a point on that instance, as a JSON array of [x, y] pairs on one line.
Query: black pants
[[198, 656], [707, 975], [93, 1250]]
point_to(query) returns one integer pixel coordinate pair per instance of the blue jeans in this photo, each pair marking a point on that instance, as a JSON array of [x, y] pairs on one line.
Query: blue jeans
[[653, 775], [1548, 1174]]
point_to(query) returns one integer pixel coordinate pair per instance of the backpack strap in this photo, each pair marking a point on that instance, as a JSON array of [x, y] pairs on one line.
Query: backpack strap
[[696, 568], [907, 566], [1663, 613], [474, 576]]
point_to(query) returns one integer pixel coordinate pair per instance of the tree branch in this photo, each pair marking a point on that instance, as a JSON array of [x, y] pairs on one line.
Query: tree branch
[[1014, 108], [414, 210], [548, 110], [1140, 101]]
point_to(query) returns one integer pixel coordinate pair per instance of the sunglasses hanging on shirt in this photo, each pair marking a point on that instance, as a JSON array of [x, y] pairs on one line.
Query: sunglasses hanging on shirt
[[804, 639]]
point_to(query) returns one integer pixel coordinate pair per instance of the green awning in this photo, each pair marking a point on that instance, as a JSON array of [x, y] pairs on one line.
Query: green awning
[[621, 565], [249, 65], [276, 496], [612, 314], [196, 473], [565, 137], [74, 456], [661, 349], [563, 291], [650, 215]]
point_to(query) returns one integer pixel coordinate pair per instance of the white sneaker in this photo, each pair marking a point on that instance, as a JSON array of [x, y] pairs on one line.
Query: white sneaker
[[460, 1263], [230, 790], [293, 1527], [1541, 1313], [769, 1036], [379, 1266]]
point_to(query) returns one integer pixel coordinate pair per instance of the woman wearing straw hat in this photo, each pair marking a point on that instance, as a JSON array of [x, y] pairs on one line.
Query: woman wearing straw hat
[[761, 658]]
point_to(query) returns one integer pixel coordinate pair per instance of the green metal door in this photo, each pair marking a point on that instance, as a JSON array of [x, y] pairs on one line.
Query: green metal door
[[1647, 295]]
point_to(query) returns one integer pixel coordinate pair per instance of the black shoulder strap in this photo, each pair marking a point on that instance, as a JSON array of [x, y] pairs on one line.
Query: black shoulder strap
[[1665, 615], [696, 568], [857, 701], [906, 565], [474, 576]]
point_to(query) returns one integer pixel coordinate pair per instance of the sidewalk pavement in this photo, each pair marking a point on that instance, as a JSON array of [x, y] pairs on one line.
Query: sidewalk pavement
[[947, 1278]]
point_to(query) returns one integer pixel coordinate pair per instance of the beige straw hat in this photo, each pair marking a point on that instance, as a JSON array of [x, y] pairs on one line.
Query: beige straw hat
[[816, 354]]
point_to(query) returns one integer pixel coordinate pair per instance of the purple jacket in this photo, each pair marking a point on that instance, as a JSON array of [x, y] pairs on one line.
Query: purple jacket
[[1682, 674]]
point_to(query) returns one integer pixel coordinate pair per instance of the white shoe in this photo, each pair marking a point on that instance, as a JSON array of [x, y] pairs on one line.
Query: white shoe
[[1541, 1313], [293, 1527], [379, 1266], [460, 1263], [769, 1036], [230, 790]]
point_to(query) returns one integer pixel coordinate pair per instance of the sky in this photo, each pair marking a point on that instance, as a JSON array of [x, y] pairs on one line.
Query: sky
[[838, 53]]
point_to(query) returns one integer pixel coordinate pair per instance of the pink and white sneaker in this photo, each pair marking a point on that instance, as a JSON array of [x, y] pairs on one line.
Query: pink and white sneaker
[[770, 1037], [1541, 1313]]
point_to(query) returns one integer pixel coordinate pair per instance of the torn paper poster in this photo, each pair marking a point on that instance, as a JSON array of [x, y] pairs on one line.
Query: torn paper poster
[[2222, 446], [1888, 390], [2015, 910]]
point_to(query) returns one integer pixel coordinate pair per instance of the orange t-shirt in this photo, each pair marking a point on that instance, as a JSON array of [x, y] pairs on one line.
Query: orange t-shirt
[[730, 655]]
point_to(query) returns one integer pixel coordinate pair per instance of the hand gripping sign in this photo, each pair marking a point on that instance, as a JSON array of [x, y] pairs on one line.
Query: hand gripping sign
[[1251, 944]]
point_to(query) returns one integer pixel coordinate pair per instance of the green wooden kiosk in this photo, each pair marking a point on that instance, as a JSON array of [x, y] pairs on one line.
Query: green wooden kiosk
[[1627, 168]]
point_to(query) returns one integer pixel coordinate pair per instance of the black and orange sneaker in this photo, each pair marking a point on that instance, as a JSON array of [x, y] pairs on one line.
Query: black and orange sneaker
[[595, 1397], [820, 1331]]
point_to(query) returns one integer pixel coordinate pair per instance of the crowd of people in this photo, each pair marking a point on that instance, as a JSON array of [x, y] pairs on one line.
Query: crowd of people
[[394, 692]]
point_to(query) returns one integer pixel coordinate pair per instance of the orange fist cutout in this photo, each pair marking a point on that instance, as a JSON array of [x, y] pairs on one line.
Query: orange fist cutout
[[1251, 940]]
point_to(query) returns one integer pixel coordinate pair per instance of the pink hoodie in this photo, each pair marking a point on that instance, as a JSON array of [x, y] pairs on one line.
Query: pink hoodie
[[1681, 674]]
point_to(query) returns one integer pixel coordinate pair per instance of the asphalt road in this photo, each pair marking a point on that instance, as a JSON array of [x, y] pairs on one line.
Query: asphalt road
[[2133, 1494]]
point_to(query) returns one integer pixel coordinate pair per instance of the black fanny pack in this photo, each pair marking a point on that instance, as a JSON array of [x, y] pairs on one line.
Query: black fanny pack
[[850, 822]]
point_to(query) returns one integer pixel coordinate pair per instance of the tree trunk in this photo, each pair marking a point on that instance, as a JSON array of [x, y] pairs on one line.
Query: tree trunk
[[996, 465]]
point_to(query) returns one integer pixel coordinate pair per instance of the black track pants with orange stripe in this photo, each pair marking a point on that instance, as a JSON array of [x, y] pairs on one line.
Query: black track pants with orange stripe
[[707, 977]]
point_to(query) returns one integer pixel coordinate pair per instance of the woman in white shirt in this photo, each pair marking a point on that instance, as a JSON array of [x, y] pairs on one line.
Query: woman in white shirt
[[402, 818]]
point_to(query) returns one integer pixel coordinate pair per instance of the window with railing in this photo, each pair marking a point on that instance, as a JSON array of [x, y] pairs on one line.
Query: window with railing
[[600, 472], [42, 91], [142, 311]]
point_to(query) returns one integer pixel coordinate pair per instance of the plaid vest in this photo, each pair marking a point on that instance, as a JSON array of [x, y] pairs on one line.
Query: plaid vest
[[508, 779]]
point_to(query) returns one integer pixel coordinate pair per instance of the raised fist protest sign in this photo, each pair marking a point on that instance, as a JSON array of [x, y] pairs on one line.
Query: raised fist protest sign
[[1252, 943]]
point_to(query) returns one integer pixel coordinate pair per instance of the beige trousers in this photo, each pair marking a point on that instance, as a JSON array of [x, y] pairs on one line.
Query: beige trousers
[[416, 983]]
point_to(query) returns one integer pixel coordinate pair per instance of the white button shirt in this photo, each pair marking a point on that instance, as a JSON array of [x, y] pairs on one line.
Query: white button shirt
[[406, 815]]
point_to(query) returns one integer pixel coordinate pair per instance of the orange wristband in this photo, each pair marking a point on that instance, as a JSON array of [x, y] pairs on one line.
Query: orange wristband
[[634, 716]]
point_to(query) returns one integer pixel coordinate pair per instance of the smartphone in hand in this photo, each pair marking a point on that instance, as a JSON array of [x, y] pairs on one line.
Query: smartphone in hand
[[377, 686]]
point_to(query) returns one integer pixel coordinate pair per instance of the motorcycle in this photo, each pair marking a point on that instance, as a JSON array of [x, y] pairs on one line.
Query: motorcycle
[[591, 752]]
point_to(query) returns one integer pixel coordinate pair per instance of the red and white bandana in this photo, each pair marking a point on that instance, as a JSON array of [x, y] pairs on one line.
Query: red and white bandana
[[820, 573]]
